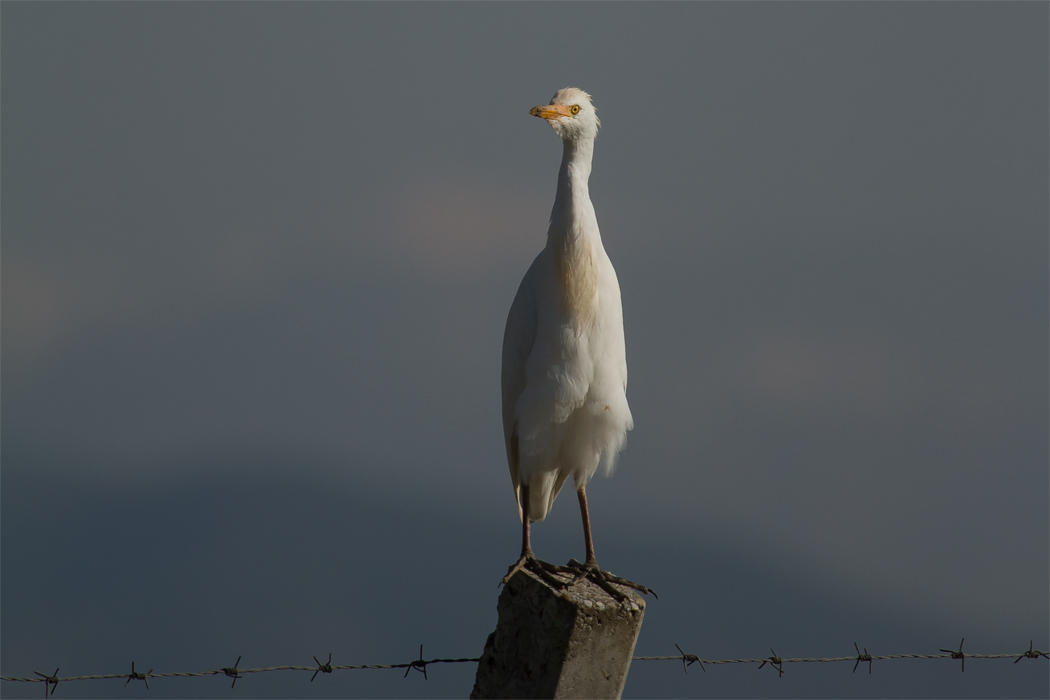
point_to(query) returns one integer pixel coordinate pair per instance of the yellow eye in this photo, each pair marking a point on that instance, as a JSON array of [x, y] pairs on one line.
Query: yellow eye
[[575, 109]]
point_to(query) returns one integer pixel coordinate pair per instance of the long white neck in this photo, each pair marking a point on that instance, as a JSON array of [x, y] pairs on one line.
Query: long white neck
[[573, 236], [573, 214]]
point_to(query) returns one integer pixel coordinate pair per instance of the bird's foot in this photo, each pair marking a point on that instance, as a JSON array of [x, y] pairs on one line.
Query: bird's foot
[[528, 562], [562, 577], [603, 579]]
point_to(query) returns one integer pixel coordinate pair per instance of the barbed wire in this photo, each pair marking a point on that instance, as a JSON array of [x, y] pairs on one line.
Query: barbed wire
[[776, 662]]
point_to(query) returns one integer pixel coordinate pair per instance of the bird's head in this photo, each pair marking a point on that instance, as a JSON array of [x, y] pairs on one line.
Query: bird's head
[[570, 113]]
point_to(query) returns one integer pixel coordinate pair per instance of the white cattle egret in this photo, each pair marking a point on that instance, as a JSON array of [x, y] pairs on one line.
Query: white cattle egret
[[565, 409]]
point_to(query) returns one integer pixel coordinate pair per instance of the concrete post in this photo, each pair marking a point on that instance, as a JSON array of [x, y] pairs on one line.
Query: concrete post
[[551, 643]]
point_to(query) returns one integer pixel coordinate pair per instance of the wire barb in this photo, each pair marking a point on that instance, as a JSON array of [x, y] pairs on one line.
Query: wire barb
[[958, 654], [862, 657], [322, 668], [419, 664], [233, 672], [133, 676], [48, 682], [1032, 653], [774, 661], [689, 659]]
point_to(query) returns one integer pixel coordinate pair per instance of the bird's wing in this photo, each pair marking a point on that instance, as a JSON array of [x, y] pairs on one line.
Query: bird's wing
[[518, 338]]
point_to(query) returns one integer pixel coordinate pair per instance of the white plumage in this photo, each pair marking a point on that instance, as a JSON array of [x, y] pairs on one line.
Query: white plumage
[[565, 409]]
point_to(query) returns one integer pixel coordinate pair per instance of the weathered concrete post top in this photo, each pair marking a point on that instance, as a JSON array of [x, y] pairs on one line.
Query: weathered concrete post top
[[550, 642]]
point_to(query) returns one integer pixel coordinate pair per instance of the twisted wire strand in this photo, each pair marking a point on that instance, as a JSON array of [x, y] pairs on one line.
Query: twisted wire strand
[[423, 663], [241, 671], [865, 658]]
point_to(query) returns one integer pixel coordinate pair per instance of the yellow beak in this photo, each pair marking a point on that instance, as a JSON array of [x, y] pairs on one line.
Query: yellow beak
[[550, 112]]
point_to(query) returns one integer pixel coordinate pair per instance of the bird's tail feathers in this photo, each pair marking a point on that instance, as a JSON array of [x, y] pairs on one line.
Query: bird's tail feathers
[[543, 489]]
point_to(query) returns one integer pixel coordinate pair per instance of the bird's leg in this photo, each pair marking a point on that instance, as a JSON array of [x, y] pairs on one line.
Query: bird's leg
[[526, 542], [528, 560], [526, 538], [590, 569], [592, 561]]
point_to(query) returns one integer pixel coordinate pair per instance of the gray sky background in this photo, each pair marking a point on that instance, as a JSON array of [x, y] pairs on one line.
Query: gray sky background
[[256, 262]]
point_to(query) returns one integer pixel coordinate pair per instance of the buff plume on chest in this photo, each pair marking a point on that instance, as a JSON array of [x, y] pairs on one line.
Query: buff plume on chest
[[578, 274]]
